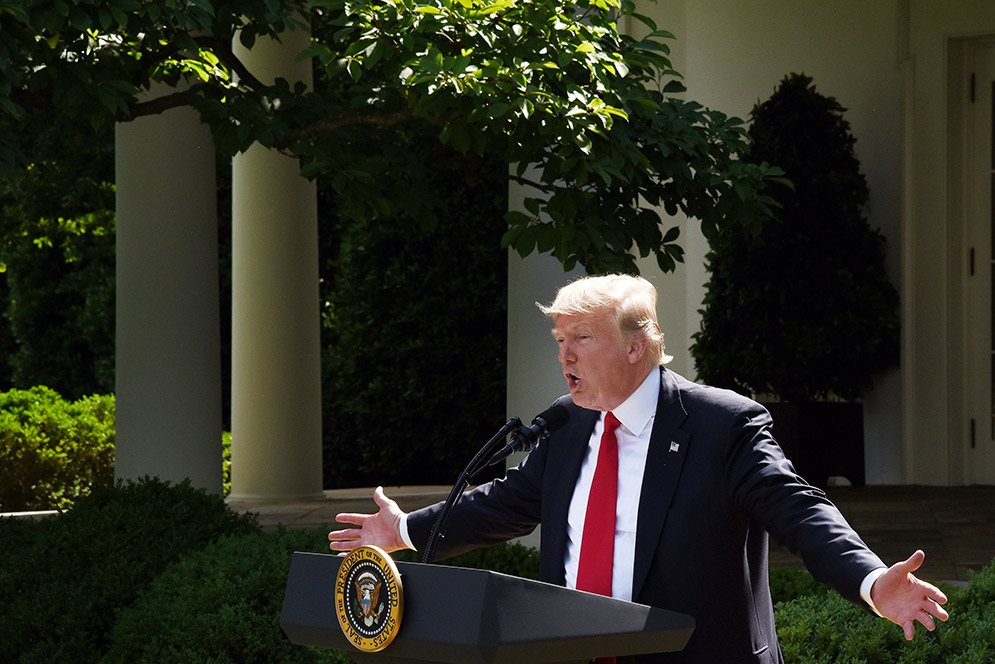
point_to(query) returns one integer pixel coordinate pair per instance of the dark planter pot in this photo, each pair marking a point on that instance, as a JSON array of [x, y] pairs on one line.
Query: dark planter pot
[[822, 439]]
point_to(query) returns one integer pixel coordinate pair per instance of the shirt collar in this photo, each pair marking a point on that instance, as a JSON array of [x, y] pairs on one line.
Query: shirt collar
[[640, 407]]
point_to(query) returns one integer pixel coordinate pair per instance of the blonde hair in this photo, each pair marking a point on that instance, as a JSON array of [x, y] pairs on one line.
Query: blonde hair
[[628, 299]]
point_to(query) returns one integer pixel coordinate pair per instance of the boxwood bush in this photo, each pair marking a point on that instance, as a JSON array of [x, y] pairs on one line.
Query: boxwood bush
[[826, 629], [151, 572], [220, 604], [64, 578], [53, 451]]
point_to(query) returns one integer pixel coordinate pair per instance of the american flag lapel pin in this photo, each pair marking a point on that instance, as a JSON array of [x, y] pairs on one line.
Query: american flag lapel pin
[[674, 446]]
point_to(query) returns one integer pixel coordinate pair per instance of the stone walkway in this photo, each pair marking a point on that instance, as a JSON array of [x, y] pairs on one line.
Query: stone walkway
[[955, 526]]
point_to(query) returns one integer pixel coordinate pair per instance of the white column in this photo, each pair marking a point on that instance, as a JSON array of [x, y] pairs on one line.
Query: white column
[[276, 357], [168, 353]]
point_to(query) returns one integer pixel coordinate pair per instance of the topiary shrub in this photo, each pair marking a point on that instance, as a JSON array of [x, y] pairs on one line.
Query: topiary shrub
[[803, 310], [52, 451], [64, 578], [220, 604]]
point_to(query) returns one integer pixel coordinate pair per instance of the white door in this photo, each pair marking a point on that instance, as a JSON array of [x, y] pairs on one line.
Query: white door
[[980, 203]]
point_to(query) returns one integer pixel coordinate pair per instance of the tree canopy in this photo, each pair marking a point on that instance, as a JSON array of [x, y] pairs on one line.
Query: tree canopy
[[591, 120]]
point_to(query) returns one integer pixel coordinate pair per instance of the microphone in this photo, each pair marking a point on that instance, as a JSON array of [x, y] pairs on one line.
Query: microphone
[[525, 438]]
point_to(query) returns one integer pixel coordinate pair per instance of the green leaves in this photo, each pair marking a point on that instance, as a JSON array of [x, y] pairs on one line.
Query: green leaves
[[551, 84]]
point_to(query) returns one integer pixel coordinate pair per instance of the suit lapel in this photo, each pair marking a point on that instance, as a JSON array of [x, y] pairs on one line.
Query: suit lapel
[[664, 461]]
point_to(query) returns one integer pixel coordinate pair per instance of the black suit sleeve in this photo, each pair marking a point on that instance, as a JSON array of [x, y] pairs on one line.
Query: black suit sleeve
[[799, 516], [489, 514]]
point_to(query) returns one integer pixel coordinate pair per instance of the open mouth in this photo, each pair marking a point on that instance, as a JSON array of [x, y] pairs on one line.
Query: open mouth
[[572, 381]]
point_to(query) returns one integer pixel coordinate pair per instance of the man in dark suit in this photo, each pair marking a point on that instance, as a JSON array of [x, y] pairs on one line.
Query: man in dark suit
[[693, 481]]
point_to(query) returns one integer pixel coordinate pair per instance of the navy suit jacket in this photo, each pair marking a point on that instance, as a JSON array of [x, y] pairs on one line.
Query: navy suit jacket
[[716, 483]]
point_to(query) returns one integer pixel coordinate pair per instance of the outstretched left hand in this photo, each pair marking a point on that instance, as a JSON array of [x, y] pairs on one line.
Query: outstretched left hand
[[902, 598]]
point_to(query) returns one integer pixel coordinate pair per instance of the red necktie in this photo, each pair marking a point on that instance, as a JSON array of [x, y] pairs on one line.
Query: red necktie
[[597, 546]]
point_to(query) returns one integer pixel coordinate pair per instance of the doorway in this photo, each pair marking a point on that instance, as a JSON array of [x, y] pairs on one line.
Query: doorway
[[978, 207]]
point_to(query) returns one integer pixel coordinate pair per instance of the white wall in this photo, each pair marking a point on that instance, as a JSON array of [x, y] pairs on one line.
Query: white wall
[[737, 51]]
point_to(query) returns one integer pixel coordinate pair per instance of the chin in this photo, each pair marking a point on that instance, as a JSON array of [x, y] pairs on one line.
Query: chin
[[590, 404]]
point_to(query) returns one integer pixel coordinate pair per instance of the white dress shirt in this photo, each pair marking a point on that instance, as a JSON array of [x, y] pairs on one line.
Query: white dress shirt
[[636, 415]]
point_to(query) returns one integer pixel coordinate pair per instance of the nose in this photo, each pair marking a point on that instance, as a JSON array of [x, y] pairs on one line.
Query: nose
[[566, 352]]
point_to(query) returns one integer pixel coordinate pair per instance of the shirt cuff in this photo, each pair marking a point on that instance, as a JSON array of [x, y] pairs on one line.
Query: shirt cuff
[[407, 538], [865, 588]]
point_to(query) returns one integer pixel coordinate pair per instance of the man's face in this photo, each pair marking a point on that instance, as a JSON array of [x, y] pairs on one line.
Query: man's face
[[601, 371]]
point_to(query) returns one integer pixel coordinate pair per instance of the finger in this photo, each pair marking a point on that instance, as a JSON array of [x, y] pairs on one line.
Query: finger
[[939, 611], [927, 621], [345, 535], [933, 593], [910, 630], [344, 545], [353, 518], [934, 609]]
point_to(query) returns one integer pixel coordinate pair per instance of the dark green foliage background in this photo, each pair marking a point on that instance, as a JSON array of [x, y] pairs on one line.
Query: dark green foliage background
[[57, 242], [804, 310], [414, 350]]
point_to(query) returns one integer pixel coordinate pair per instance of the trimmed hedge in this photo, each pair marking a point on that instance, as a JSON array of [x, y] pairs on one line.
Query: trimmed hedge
[[152, 572], [64, 578], [220, 604], [788, 583], [826, 629], [53, 451]]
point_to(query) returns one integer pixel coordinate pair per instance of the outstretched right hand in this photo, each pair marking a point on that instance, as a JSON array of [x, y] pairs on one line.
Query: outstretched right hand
[[382, 529]]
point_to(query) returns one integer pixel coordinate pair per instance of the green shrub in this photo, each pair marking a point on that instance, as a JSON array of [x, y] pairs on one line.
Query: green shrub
[[804, 309], [220, 604], [825, 628], [788, 583], [52, 451], [64, 578]]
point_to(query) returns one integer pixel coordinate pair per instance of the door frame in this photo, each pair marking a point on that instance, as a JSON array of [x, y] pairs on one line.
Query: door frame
[[962, 286]]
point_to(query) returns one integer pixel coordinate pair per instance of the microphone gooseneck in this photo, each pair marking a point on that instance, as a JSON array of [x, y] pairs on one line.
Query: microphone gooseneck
[[523, 438]]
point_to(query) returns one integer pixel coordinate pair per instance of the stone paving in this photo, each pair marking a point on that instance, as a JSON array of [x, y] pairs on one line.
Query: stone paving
[[955, 526]]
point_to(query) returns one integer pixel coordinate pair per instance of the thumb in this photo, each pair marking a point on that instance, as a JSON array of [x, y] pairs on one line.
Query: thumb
[[914, 562], [380, 498]]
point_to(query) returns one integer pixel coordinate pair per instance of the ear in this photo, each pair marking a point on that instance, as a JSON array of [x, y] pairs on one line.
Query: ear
[[637, 348]]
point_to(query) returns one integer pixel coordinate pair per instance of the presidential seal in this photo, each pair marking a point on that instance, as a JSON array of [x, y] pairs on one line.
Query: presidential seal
[[368, 598]]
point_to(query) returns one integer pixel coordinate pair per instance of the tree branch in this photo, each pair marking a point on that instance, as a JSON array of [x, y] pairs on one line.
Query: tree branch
[[329, 126], [162, 104], [546, 188]]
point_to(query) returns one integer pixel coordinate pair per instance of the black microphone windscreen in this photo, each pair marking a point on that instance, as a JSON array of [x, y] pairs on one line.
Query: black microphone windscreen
[[555, 417]]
